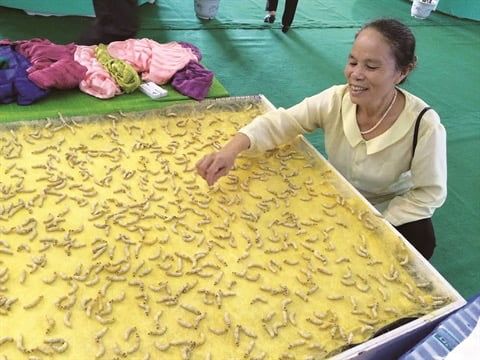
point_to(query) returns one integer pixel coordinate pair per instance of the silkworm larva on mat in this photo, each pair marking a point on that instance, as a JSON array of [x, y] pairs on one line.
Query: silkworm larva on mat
[[33, 303]]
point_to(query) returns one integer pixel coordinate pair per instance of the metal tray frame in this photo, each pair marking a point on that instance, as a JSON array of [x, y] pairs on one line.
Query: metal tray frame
[[370, 349]]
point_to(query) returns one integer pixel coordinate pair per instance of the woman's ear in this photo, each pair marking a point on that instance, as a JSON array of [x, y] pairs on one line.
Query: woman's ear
[[403, 73]]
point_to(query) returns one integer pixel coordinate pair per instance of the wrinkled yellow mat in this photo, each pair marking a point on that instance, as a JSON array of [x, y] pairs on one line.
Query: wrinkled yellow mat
[[112, 247]]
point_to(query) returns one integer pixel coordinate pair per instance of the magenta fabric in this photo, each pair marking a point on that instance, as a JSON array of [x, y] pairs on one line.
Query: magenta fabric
[[62, 74], [194, 80], [53, 65]]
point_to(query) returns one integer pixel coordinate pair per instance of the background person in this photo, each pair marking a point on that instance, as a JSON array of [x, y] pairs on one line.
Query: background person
[[288, 13], [115, 20]]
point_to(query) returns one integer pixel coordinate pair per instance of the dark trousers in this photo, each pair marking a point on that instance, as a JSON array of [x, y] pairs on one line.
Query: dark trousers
[[115, 20], [420, 234], [288, 12]]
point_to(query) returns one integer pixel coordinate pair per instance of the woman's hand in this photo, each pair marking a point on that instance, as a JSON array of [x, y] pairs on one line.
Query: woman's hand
[[215, 165]]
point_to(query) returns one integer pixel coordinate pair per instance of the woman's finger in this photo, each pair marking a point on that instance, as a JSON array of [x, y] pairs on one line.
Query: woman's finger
[[203, 164]]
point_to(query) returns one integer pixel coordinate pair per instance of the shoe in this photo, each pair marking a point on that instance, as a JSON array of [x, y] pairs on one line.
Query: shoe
[[285, 28], [269, 19]]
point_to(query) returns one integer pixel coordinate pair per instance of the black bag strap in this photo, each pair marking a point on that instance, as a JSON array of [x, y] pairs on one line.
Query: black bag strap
[[415, 132]]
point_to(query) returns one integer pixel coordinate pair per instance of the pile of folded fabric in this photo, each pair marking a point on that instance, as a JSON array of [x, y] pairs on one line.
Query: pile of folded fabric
[[30, 68]]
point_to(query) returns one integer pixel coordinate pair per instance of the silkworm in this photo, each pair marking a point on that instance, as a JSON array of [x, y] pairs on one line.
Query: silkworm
[[59, 345], [314, 321], [6, 251], [100, 350], [227, 320], [291, 262], [5, 339], [368, 321], [161, 347], [366, 328], [324, 270], [380, 280], [128, 332], [236, 335], [67, 319], [184, 323], [297, 343], [342, 259], [191, 309], [99, 335], [362, 288], [218, 277], [305, 334], [23, 277], [19, 344], [247, 331], [158, 331], [422, 285], [33, 303], [404, 261], [252, 278], [348, 282], [134, 348], [302, 296], [103, 320], [218, 331], [269, 316], [258, 299], [249, 349], [391, 277], [409, 296], [93, 281], [119, 298]]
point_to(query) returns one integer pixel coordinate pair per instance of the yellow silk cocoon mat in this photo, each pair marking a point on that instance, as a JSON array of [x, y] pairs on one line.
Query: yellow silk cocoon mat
[[111, 246]]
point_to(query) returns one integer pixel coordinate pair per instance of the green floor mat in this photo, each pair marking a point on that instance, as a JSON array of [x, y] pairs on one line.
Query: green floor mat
[[74, 102]]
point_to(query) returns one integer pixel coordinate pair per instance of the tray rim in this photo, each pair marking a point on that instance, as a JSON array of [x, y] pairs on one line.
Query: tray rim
[[438, 314]]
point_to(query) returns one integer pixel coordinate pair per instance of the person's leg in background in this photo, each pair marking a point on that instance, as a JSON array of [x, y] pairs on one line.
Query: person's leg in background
[[271, 9], [421, 235], [288, 14], [114, 20]]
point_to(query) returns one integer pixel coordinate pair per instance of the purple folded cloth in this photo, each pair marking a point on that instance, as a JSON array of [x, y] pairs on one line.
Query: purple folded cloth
[[193, 80], [14, 83]]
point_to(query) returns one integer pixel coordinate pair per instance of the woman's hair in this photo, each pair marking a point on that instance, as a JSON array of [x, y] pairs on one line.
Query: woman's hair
[[401, 40]]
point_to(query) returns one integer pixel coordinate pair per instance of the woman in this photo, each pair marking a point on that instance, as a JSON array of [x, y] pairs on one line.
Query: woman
[[380, 137]]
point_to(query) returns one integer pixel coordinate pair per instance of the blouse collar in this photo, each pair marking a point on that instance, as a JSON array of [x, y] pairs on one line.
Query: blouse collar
[[396, 132]]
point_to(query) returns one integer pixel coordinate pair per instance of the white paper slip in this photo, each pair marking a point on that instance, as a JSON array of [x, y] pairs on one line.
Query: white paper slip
[[153, 90]]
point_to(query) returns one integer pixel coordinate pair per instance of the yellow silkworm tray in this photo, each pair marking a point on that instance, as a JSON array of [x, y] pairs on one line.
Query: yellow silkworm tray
[[112, 247]]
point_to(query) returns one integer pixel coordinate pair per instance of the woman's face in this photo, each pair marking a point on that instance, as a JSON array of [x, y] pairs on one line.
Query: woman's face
[[371, 71]]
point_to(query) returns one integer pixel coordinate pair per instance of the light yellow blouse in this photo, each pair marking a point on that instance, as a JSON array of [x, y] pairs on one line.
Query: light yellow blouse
[[379, 168]]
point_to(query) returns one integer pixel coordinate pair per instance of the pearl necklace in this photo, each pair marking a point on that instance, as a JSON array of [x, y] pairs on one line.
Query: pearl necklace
[[383, 116]]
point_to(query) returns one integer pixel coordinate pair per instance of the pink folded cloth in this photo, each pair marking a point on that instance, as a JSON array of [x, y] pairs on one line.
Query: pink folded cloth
[[156, 62], [97, 81]]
